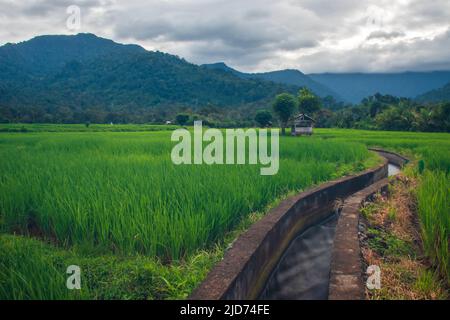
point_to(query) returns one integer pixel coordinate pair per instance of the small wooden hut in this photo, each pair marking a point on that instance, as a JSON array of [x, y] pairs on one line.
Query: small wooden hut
[[302, 125]]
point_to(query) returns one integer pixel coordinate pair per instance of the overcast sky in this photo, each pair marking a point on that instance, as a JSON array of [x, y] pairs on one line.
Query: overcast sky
[[257, 35]]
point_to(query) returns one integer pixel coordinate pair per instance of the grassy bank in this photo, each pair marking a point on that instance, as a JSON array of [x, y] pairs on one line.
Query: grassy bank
[[390, 238], [430, 153]]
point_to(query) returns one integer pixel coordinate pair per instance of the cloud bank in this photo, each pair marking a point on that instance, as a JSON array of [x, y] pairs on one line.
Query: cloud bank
[[258, 35]]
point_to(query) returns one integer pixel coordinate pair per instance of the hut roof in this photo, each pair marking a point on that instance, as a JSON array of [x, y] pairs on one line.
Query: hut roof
[[303, 117]]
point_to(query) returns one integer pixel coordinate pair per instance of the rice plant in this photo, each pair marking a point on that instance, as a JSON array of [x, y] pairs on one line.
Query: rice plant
[[433, 197]]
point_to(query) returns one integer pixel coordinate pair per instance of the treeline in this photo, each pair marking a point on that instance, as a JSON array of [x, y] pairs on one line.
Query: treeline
[[211, 115], [377, 112], [65, 114], [386, 112]]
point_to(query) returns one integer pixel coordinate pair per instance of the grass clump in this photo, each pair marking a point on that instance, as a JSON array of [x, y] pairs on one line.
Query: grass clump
[[433, 197], [427, 284], [27, 274], [387, 244], [33, 270]]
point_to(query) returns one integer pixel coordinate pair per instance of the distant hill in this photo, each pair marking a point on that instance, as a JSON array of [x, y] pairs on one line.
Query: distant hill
[[437, 95], [350, 87], [354, 87], [288, 76], [84, 70]]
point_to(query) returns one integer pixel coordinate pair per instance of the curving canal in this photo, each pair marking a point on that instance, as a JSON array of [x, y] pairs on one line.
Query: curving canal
[[303, 272]]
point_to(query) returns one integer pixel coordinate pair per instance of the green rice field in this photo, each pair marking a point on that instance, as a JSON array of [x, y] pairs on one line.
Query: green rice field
[[140, 227]]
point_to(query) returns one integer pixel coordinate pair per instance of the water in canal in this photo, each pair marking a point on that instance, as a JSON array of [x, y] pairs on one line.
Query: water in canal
[[393, 169], [303, 272]]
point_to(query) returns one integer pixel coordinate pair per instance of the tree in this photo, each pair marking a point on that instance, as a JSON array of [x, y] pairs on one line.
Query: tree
[[440, 118], [63, 114], [395, 119], [284, 106], [329, 102], [324, 118], [263, 118], [308, 102], [182, 118]]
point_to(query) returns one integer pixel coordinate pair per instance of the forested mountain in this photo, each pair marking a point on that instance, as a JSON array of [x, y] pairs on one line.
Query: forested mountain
[[84, 71], [288, 76], [353, 87], [84, 78], [437, 95]]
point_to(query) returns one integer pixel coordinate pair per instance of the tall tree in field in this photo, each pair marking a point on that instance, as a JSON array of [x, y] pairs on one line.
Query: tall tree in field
[[308, 102], [263, 118], [182, 118], [284, 106]]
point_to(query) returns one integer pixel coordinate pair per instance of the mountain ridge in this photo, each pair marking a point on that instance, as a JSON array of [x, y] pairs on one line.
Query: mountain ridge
[[356, 86], [285, 76], [436, 95]]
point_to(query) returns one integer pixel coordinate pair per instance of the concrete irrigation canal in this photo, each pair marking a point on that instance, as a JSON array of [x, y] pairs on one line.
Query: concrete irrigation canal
[[306, 248], [304, 269]]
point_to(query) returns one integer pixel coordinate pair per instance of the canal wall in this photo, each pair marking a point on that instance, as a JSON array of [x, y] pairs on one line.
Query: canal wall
[[247, 265]]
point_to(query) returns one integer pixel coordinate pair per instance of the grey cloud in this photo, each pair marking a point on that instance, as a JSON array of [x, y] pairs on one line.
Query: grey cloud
[[419, 55], [380, 34], [238, 57], [232, 29], [46, 7], [244, 34], [421, 13], [257, 14], [327, 8]]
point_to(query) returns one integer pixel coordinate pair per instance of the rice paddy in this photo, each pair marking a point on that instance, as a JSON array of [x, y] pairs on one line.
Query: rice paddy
[[122, 193], [139, 226]]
